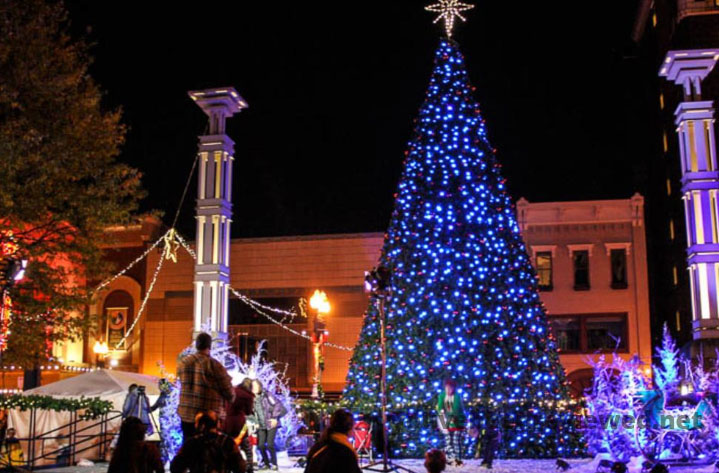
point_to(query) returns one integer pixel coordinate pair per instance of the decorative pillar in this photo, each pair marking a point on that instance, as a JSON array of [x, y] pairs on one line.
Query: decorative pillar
[[700, 183], [214, 210]]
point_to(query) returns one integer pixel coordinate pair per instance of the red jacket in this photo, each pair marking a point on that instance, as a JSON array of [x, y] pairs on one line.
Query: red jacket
[[238, 410]]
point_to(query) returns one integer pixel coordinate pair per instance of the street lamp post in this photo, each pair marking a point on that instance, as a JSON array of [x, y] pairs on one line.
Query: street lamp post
[[321, 304], [100, 349]]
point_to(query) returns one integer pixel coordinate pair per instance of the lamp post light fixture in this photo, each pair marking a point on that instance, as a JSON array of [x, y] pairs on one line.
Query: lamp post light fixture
[[321, 304], [686, 388], [100, 349]]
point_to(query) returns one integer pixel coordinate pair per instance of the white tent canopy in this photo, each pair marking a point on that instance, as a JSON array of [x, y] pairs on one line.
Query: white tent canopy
[[98, 383], [108, 385]]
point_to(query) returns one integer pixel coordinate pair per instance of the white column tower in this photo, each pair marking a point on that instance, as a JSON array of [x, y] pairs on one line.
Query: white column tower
[[214, 210], [700, 183]]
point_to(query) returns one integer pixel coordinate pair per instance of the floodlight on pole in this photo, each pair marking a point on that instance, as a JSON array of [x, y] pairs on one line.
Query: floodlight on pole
[[377, 282]]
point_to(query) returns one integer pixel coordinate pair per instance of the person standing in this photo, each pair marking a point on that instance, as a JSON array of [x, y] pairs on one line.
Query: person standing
[[205, 385], [138, 405], [490, 441], [267, 413], [12, 453], [209, 451], [333, 452], [452, 420], [236, 422], [133, 454]]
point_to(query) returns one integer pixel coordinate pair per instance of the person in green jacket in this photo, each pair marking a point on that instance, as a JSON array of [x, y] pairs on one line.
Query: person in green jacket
[[452, 420]]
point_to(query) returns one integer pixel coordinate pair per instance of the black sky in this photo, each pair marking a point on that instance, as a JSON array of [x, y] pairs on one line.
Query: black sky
[[333, 89]]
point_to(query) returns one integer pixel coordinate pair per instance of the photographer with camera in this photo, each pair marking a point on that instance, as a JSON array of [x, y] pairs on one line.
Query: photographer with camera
[[138, 405]]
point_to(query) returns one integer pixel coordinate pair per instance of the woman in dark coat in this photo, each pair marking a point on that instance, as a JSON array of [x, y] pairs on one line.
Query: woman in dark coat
[[333, 453], [236, 421], [267, 413]]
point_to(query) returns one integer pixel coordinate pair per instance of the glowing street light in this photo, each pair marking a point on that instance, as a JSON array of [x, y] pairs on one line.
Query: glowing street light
[[100, 349], [321, 304], [686, 388]]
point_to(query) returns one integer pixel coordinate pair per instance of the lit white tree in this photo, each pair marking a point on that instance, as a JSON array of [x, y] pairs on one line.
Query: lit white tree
[[267, 372], [666, 376]]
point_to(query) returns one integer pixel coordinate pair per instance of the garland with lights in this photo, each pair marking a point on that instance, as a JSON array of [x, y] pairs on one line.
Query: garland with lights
[[111, 279], [167, 254], [91, 408], [261, 308], [465, 303], [172, 241]]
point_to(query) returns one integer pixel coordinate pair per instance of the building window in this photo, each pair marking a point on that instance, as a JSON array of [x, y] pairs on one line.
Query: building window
[[544, 270], [694, 159], [698, 218], [679, 321], [671, 229], [713, 212], [567, 331], [669, 186], [665, 142], [606, 332], [618, 259], [661, 95], [580, 259], [675, 275], [590, 333]]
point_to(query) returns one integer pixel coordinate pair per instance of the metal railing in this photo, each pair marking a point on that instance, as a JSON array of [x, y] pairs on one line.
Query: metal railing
[[77, 436]]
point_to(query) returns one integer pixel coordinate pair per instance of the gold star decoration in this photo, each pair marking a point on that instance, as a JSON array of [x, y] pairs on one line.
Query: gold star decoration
[[171, 246], [449, 10]]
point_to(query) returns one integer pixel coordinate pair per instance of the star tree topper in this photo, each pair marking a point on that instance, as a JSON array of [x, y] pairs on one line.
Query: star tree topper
[[448, 10]]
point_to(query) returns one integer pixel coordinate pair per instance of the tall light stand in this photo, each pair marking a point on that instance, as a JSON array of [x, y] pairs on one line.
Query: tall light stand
[[377, 283]]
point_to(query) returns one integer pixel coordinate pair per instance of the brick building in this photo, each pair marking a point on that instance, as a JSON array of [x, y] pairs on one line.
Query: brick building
[[590, 259]]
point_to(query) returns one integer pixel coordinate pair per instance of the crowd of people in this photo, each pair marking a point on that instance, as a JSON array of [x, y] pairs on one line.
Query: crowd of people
[[217, 421]]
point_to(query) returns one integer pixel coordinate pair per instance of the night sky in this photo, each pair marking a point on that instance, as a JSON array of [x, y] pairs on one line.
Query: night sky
[[334, 87]]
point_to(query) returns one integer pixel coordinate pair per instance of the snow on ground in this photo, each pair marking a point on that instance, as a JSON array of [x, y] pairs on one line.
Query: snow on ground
[[523, 466], [471, 466]]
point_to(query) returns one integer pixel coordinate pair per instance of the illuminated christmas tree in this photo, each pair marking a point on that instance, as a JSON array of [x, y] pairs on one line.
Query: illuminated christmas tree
[[465, 303]]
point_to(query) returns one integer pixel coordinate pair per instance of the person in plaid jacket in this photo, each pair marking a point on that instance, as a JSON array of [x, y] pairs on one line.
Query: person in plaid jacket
[[205, 385]]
